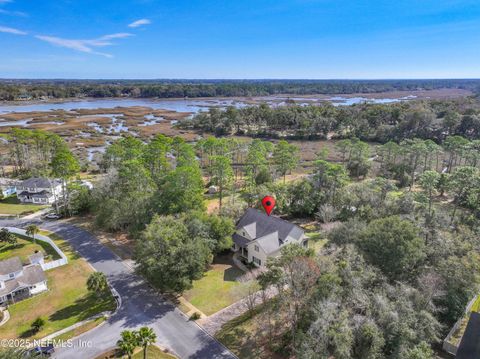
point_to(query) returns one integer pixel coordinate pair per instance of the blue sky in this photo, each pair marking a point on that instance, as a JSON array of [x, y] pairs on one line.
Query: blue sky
[[315, 39]]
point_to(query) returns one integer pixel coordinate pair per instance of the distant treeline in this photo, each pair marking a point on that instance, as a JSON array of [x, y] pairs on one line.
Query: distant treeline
[[40, 89], [430, 119]]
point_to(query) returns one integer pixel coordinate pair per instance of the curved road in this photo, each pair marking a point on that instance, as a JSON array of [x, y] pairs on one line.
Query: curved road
[[141, 306]]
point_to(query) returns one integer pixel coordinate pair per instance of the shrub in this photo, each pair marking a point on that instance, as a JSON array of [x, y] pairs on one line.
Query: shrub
[[38, 324], [195, 316]]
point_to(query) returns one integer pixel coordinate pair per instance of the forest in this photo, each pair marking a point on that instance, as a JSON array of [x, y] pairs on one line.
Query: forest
[[11, 90], [427, 119], [398, 219]]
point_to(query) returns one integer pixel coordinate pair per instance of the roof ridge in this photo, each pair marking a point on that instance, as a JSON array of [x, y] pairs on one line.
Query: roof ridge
[[274, 217]]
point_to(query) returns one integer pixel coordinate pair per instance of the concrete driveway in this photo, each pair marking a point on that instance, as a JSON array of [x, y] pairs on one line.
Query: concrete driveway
[[141, 306]]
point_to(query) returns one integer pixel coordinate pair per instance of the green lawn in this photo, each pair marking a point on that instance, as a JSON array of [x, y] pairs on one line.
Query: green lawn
[[12, 206], [476, 305], [81, 329], [26, 247], [218, 288], [153, 352], [65, 303]]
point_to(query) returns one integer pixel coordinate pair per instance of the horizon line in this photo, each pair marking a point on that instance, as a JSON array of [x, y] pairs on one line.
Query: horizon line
[[237, 79]]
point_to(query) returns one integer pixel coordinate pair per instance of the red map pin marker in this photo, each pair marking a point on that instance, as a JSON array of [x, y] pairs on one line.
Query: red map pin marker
[[268, 203]]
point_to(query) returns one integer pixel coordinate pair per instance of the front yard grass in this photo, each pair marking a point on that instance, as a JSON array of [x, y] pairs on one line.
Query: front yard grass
[[12, 206], [66, 302], [25, 247], [81, 329], [218, 288], [153, 352]]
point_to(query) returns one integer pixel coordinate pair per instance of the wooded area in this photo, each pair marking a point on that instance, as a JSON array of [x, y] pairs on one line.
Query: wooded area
[[37, 89]]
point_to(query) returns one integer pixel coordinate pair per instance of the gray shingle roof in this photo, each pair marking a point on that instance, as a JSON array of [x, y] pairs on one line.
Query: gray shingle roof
[[32, 274], [10, 265], [268, 224], [35, 257], [39, 182], [239, 240], [270, 243], [42, 194], [272, 232], [10, 286]]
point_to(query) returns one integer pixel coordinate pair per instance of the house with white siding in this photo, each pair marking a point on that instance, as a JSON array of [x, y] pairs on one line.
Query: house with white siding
[[39, 190], [18, 281], [259, 237]]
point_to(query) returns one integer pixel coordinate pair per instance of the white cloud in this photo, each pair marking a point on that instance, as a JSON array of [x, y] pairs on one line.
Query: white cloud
[[139, 23], [11, 30], [13, 13], [84, 45]]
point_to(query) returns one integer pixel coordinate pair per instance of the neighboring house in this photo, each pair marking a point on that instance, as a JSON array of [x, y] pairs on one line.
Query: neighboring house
[[7, 187], [259, 237], [39, 190], [17, 281], [469, 347]]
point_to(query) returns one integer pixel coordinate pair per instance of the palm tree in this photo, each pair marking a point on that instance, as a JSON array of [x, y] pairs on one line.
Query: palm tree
[[32, 230], [145, 337], [128, 343], [97, 283]]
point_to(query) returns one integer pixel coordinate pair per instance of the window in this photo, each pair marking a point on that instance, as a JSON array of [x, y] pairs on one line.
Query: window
[[243, 234], [11, 275], [257, 261], [257, 249]]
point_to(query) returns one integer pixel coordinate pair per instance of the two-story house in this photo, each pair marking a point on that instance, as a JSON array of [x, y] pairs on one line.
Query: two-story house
[[39, 190], [259, 236], [17, 280]]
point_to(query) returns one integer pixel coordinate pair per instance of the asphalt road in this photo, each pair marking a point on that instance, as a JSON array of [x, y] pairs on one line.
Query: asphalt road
[[141, 306]]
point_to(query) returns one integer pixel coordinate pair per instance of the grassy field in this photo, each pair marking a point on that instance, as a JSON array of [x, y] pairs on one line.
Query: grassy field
[[65, 303], [153, 352], [26, 247], [81, 329], [12, 206], [218, 288]]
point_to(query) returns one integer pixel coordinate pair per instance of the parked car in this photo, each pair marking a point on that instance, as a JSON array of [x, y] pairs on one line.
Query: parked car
[[53, 215], [40, 351]]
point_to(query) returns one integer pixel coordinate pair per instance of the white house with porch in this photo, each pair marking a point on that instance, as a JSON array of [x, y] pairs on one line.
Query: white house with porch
[[18, 281], [259, 236], [39, 190]]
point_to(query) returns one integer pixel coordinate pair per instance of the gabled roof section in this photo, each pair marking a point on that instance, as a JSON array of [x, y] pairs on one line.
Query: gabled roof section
[[10, 265], [32, 275], [251, 229], [270, 243], [266, 225], [39, 182]]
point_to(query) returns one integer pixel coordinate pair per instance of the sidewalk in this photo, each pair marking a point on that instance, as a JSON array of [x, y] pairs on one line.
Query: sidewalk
[[76, 325]]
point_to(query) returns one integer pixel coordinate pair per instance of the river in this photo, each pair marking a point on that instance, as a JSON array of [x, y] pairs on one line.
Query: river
[[187, 105]]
